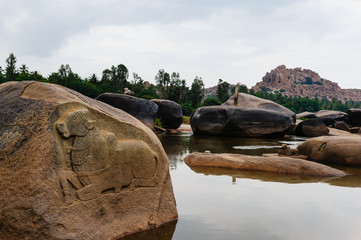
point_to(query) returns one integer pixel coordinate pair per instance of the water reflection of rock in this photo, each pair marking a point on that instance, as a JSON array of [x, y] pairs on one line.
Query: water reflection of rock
[[262, 176], [164, 232], [352, 180], [229, 145], [176, 146]]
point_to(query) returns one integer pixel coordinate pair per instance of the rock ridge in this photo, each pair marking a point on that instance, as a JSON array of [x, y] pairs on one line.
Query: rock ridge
[[304, 83]]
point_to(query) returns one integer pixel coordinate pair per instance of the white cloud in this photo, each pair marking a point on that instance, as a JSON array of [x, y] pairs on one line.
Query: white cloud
[[232, 40], [13, 23]]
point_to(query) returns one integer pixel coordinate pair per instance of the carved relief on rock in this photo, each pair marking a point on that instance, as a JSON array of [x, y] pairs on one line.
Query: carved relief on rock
[[96, 161]]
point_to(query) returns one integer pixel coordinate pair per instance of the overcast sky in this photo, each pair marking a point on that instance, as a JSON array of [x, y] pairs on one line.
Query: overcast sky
[[235, 40]]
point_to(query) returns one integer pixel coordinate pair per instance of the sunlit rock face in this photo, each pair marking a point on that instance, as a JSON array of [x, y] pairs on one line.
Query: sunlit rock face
[[277, 164], [76, 168], [298, 82], [250, 116], [343, 150]]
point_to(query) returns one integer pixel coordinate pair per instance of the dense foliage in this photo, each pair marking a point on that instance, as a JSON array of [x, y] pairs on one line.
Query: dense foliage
[[168, 86]]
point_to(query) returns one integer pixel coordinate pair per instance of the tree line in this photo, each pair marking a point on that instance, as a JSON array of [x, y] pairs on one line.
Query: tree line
[[167, 86]]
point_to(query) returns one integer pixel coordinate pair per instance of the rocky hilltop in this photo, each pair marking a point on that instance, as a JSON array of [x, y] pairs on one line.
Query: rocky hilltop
[[305, 83]]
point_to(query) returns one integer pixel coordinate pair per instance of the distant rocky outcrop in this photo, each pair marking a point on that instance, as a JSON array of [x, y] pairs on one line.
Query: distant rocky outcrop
[[305, 83]]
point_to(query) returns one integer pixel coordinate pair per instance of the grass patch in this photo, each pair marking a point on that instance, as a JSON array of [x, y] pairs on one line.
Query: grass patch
[[186, 119]]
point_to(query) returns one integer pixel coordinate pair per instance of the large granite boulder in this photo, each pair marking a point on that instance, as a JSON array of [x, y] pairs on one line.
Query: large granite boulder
[[355, 117], [314, 127], [76, 168], [142, 109], [343, 150], [275, 164], [330, 117], [169, 112], [250, 116]]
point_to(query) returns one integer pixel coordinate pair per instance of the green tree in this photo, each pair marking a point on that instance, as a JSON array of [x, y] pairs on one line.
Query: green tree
[[24, 69], [2, 77], [177, 90], [93, 79], [122, 74], [142, 89], [223, 90], [187, 109], [211, 101], [115, 78], [162, 79], [197, 92], [10, 70]]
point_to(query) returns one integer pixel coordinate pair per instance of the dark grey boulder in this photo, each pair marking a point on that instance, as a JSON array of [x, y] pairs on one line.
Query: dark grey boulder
[[250, 117], [169, 112], [341, 125], [355, 117], [312, 128], [330, 117], [143, 110]]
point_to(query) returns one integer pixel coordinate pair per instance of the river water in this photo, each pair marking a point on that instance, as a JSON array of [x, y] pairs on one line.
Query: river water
[[221, 204]]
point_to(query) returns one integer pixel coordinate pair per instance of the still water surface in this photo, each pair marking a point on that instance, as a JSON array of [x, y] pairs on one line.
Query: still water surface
[[221, 204]]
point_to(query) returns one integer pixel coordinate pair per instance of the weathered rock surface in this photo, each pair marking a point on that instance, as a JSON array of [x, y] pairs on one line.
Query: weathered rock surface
[[307, 115], [355, 117], [314, 127], [169, 112], [330, 117], [252, 102], [341, 125], [337, 132], [343, 150], [76, 168], [142, 109], [250, 117], [305, 83], [286, 165]]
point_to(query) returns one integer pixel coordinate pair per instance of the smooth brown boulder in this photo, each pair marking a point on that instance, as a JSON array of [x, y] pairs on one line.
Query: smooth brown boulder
[[286, 165], [76, 168], [337, 132], [343, 150]]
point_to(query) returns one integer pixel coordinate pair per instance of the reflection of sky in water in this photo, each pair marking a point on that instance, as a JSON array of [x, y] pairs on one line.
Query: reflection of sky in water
[[212, 207], [255, 147], [292, 142]]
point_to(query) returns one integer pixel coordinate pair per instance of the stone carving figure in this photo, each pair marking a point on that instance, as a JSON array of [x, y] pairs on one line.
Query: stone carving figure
[[98, 162], [287, 151]]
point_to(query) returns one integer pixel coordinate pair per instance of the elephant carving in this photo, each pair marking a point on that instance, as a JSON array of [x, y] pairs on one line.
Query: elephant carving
[[98, 162]]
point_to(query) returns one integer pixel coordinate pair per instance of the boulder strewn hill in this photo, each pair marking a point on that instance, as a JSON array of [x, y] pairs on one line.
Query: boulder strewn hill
[[304, 83]]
